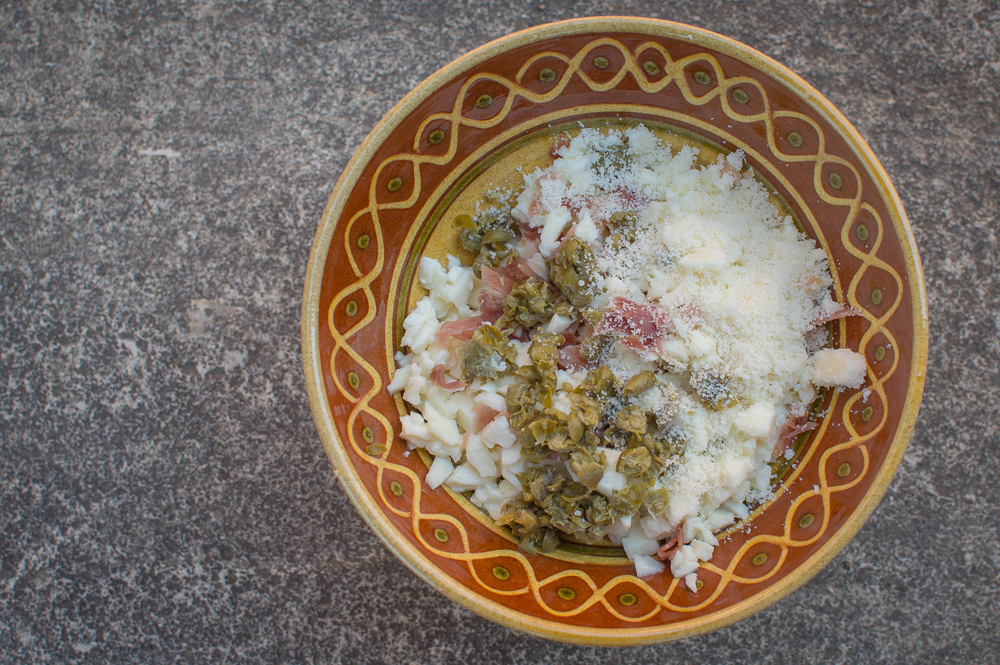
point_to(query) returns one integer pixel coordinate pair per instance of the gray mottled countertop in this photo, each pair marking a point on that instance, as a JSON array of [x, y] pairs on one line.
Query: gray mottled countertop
[[163, 493]]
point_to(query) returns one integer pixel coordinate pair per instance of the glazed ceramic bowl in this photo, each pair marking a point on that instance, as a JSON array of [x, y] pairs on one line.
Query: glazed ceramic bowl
[[469, 126]]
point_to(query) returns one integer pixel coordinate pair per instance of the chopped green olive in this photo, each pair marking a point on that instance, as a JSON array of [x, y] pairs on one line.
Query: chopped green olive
[[713, 388], [656, 501], [632, 419], [634, 461], [490, 237], [487, 355], [588, 468], [599, 383], [639, 383], [571, 270], [595, 347], [528, 304]]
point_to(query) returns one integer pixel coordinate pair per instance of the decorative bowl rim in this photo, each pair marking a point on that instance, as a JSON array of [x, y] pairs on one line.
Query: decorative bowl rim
[[324, 419]]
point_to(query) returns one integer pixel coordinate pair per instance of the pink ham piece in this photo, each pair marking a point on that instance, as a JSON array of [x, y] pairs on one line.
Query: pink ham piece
[[484, 415], [437, 374], [569, 358], [527, 231], [461, 329], [839, 313], [500, 284], [790, 431], [671, 547], [602, 207], [490, 307], [630, 319]]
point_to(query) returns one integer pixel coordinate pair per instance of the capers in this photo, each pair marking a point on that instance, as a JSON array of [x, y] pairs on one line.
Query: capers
[[529, 303], [639, 383], [572, 269], [487, 355]]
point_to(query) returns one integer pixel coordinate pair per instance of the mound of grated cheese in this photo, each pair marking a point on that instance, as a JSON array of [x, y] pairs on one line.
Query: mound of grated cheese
[[742, 288]]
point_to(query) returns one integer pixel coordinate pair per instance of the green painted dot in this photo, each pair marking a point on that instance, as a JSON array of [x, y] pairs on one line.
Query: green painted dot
[[760, 559], [368, 434], [566, 593], [363, 241], [740, 97], [441, 535], [483, 101], [876, 296], [702, 77], [352, 308], [835, 181], [880, 353], [547, 75], [844, 470], [806, 520], [651, 68], [627, 599], [795, 139], [862, 232], [376, 449], [395, 184], [501, 573], [866, 413], [396, 488], [436, 136], [353, 380], [601, 62]]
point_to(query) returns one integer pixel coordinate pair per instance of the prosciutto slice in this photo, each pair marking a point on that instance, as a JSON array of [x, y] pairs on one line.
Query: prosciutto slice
[[645, 323], [839, 313], [461, 329], [438, 375], [484, 415], [793, 427], [499, 283], [671, 547], [569, 358]]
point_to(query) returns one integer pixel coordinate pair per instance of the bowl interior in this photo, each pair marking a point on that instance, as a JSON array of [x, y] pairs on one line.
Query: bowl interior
[[465, 131]]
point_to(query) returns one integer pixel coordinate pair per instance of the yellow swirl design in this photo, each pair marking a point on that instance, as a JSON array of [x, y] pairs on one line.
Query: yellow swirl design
[[672, 73]]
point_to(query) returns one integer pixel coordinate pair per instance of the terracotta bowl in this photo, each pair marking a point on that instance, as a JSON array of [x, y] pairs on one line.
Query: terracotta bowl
[[469, 126]]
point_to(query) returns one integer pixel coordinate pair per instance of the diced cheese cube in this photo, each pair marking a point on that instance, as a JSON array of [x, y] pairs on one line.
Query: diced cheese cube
[[647, 566], [757, 420], [498, 432], [637, 542], [838, 367], [440, 469], [479, 456], [464, 478]]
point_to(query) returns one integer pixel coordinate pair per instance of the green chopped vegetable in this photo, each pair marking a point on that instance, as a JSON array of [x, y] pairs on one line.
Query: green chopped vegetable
[[713, 388], [600, 383], [595, 347], [521, 398], [587, 467], [529, 303], [490, 237], [487, 355], [572, 269], [632, 419], [634, 461], [656, 501], [639, 383]]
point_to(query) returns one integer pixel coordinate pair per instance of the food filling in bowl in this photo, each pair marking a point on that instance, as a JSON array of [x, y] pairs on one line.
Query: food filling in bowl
[[631, 342]]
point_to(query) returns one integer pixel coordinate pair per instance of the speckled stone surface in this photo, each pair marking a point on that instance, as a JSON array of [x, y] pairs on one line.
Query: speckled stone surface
[[163, 493]]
